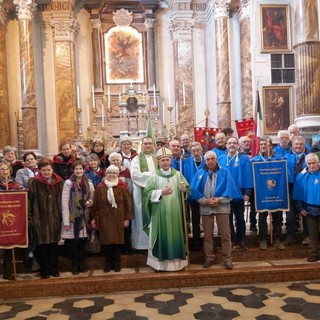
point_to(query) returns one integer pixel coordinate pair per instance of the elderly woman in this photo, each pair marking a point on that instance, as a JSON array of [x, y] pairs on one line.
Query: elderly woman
[[44, 196], [64, 160], [115, 158], [10, 156], [77, 196], [93, 170], [113, 210], [7, 184], [30, 169]]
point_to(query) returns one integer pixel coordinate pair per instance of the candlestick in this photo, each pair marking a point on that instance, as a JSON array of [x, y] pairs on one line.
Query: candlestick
[[154, 95], [109, 98], [169, 95], [102, 115], [88, 116], [78, 97], [184, 94], [93, 101]]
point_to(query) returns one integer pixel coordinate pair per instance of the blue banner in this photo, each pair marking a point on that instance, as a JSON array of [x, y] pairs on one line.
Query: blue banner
[[271, 185]]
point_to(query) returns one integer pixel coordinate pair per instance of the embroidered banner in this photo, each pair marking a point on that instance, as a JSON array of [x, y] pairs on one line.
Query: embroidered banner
[[271, 185], [245, 127], [206, 137], [13, 220]]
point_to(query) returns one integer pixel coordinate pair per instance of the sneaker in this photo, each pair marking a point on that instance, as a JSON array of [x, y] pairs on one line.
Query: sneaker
[[228, 265], [263, 245], [289, 240], [313, 258], [242, 246], [208, 264], [306, 241], [279, 244]]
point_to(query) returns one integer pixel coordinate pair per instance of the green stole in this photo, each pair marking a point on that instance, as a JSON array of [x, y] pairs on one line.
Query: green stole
[[144, 168]]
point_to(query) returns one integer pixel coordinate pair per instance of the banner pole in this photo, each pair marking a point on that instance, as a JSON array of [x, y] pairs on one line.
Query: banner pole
[[271, 227], [14, 264]]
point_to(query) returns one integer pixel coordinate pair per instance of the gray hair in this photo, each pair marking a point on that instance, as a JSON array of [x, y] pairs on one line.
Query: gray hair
[[311, 156], [283, 133], [210, 153], [115, 155]]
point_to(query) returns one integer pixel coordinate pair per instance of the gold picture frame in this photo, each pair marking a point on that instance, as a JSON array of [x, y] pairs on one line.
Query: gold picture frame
[[277, 108], [275, 28]]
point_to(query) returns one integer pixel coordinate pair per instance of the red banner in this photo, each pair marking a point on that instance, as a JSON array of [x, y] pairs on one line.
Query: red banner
[[245, 127], [206, 137], [13, 219]]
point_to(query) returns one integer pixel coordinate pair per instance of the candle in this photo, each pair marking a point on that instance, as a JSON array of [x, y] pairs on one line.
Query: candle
[[139, 87], [88, 116], [102, 115], [123, 88], [93, 101], [154, 95], [109, 98], [78, 97], [119, 96], [184, 94], [169, 95]]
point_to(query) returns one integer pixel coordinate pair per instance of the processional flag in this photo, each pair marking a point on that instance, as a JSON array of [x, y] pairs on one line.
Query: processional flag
[[13, 219], [206, 137]]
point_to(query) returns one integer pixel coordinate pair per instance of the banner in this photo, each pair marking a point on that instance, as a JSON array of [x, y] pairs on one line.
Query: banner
[[271, 185], [245, 128], [206, 137], [13, 219]]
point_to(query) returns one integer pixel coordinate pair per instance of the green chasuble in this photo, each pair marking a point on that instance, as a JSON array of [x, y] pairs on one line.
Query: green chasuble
[[166, 217]]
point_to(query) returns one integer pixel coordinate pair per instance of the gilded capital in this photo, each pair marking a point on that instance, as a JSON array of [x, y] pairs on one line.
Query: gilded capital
[[181, 29], [244, 9], [220, 8], [95, 23], [149, 23], [65, 30], [25, 8], [3, 16]]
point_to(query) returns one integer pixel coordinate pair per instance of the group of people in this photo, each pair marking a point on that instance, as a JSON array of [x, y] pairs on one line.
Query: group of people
[[148, 200]]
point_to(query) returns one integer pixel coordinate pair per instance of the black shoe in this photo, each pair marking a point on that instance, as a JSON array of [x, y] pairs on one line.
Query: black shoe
[[82, 268], [44, 276], [117, 269], [8, 276], [107, 268], [55, 274], [242, 246], [228, 265], [313, 258]]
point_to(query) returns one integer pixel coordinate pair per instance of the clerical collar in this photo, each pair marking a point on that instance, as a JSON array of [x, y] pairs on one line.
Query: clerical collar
[[166, 173]]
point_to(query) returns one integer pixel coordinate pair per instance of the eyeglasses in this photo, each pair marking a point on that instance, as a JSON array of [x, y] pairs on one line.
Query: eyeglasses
[[110, 172], [148, 143]]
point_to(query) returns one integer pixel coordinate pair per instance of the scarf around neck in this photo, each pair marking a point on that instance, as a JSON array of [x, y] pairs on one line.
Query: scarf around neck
[[110, 194]]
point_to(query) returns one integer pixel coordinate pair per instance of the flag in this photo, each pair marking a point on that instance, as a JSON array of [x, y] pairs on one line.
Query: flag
[[206, 137], [257, 127], [150, 131], [244, 127]]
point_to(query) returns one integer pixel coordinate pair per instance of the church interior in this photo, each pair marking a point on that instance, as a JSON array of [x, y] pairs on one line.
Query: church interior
[[101, 69]]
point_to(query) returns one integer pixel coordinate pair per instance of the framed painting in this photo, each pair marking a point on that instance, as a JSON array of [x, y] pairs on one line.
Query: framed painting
[[275, 28], [124, 55], [277, 106]]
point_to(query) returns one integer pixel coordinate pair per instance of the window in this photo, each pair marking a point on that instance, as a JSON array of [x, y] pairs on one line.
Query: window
[[282, 68]]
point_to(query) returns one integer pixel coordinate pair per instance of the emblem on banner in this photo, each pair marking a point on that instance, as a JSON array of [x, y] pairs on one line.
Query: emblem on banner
[[271, 184], [8, 218]]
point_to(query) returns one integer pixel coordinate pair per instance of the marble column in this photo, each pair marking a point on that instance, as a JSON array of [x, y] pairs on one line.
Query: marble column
[[245, 59], [181, 34], [25, 9], [4, 99], [65, 32], [222, 63], [149, 23], [97, 55], [307, 57]]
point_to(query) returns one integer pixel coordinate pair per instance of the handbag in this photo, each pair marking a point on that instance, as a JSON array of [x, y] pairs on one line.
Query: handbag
[[93, 245]]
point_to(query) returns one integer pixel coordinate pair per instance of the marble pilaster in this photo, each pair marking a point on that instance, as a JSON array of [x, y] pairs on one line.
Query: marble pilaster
[[65, 32], [245, 58], [97, 55], [222, 63], [25, 9], [149, 23], [181, 35], [4, 100], [307, 57]]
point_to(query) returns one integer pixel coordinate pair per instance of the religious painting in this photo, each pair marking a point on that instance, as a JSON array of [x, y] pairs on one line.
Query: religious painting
[[124, 55], [275, 28], [277, 106]]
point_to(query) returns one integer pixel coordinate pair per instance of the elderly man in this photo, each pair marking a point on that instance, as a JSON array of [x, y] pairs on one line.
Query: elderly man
[[185, 145], [239, 166], [175, 148], [163, 218], [294, 131], [213, 187], [221, 141], [296, 163], [283, 147], [245, 146], [306, 192], [142, 167], [190, 167]]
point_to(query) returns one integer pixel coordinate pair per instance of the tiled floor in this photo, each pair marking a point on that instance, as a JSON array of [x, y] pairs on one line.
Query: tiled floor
[[292, 301]]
